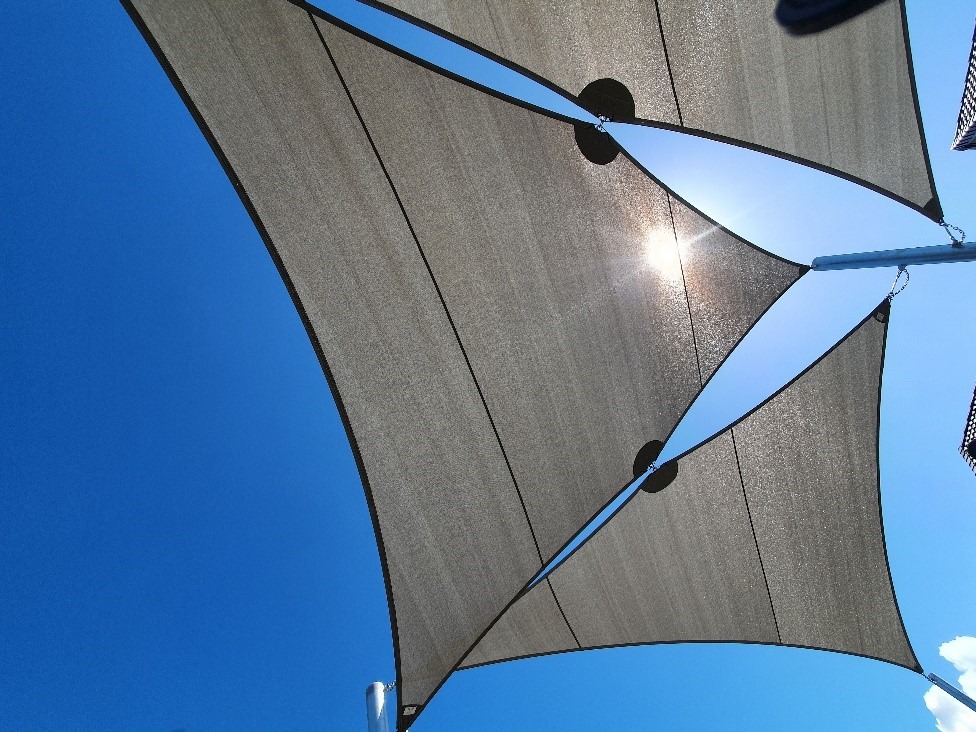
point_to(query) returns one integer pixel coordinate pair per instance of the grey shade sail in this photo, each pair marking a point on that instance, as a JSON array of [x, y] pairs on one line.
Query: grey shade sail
[[842, 101], [503, 323], [771, 533]]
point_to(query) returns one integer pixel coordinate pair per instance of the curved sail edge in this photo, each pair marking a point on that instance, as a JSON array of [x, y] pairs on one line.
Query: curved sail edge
[[759, 539], [502, 323], [793, 97]]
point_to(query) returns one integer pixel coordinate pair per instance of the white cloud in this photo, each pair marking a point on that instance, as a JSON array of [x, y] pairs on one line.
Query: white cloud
[[950, 715]]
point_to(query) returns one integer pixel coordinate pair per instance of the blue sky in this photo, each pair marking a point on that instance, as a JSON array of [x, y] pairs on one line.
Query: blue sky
[[184, 541]]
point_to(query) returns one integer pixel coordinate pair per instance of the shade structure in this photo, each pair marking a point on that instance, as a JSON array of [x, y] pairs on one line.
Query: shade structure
[[968, 446], [503, 323], [771, 533], [965, 138], [842, 100]]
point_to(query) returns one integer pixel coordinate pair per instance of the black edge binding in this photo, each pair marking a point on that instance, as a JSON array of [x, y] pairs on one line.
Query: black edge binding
[[883, 309], [932, 209], [174, 79], [316, 12], [402, 707], [329, 18]]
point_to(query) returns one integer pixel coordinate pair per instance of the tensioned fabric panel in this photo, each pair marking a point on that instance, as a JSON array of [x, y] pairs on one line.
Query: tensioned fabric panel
[[713, 267], [568, 44], [810, 468], [534, 626], [842, 99], [512, 335], [257, 75], [563, 278], [582, 350], [685, 565], [676, 565]]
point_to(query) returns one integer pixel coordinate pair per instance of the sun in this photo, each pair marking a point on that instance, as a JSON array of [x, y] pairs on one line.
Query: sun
[[662, 254]]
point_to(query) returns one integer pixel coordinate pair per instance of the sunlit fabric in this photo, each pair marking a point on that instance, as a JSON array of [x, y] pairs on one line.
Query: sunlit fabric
[[842, 100], [503, 323], [771, 533]]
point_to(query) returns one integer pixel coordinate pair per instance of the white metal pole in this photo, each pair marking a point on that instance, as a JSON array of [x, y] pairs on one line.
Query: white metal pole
[[960, 252], [376, 708], [952, 691]]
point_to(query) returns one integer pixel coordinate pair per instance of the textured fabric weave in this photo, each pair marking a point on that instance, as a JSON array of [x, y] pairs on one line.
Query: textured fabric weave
[[842, 100], [771, 533], [503, 323]]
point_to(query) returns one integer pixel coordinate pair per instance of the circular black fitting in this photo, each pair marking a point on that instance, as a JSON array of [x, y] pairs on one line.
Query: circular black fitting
[[611, 101], [660, 478]]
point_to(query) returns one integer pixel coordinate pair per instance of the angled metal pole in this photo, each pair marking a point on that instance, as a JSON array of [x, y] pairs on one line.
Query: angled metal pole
[[952, 691], [962, 252], [376, 719]]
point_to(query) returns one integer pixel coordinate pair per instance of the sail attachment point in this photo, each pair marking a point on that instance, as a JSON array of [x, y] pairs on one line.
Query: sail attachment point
[[610, 101], [662, 476]]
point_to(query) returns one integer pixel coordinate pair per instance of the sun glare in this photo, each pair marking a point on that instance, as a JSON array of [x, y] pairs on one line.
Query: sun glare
[[661, 254]]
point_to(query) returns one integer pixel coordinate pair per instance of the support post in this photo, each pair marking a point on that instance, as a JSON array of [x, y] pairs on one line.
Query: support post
[[376, 719], [962, 252], [952, 691]]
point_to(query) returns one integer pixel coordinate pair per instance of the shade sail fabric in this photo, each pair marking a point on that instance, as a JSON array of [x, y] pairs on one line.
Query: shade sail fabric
[[771, 533], [842, 100], [503, 323], [587, 307]]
